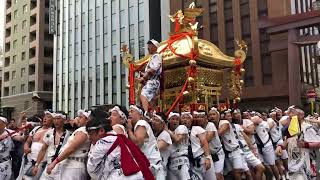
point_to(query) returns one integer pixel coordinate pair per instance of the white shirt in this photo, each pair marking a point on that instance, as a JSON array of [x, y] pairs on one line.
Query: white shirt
[[228, 138], [81, 151], [262, 131], [181, 149], [195, 141], [215, 143], [275, 131], [165, 136], [149, 148], [48, 139], [102, 167]]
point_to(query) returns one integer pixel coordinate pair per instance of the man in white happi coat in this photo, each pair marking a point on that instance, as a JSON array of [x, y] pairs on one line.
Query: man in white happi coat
[[164, 141], [141, 134], [234, 154], [73, 154], [103, 162], [6, 145], [32, 148], [214, 142], [179, 165], [52, 142]]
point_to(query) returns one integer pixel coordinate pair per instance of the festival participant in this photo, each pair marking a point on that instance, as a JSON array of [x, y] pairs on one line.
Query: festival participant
[[52, 141], [150, 78], [112, 155], [302, 148], [179, 165], [245, 144], [164, 141], [32, 148], [200, 147], [234, 154], [73, 154], [140, 132], [263, 140], [118, 118], [215, 143], [6, 145], [278, 144]]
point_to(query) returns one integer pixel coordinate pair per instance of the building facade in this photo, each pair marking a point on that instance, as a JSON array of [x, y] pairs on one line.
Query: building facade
[[88, 69], [27, 67], [267, 65]]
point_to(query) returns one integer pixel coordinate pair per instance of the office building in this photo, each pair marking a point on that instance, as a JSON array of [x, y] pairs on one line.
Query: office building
[[27, 68], [88, 36]]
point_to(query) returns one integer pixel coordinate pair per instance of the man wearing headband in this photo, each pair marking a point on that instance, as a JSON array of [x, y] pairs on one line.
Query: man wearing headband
[[179, 165], [202, 164], [32, 148], [73, 154], [234, 154], [52, 141], [140, 132], [278, 144], [118, 117], [6, 145], [265, 146], [112, 155], [164, 141], [215, 145], [251, 161], [151, 76]]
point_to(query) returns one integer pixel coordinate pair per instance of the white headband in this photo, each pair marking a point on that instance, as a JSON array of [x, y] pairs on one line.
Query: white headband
[[136, 108], [3, 119], [236, 111], [171, 114], [48, 112], [83, 112], [228, 111], [159, 117], [215, 110], [57, 115], [199, 113], [118, 110], [186, 113]]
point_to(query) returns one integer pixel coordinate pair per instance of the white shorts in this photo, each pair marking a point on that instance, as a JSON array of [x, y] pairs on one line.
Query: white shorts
[[179, 172], [6, 172], [150, 89], [268, 155], [236, 159], [219, 165], [251, 159]]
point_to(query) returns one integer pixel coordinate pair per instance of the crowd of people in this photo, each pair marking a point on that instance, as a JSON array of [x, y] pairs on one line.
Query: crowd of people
[[128, 144]]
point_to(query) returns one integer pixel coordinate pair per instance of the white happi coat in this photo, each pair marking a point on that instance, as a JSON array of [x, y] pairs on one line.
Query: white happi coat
[[102, 167], [6, 145]]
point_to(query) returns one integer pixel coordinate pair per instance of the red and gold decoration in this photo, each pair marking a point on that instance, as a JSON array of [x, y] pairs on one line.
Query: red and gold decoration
[[193, 69]]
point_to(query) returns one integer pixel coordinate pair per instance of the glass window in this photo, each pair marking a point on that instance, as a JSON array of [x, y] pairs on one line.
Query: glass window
[[141, 11], [23, 56], [23, 88], [98, 87], [113, 7], [105, 10], [13, 74], [105, 25], [25, 9], [15, 28], [97, 27], [122, 19], [141, 28], [24, 24], [122, 4], [113, 22], [131, 31], [122, 35], [15, 14], [14, 59], [131, 3], [131, 15], [14, 44], [114, 38], [23, 72], [13, 90], [24, 40]]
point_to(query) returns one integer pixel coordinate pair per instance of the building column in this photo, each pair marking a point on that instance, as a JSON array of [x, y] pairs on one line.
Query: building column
[[294, 69]]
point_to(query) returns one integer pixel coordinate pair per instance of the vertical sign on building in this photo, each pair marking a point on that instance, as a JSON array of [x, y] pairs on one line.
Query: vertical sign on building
[[52, 16]]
